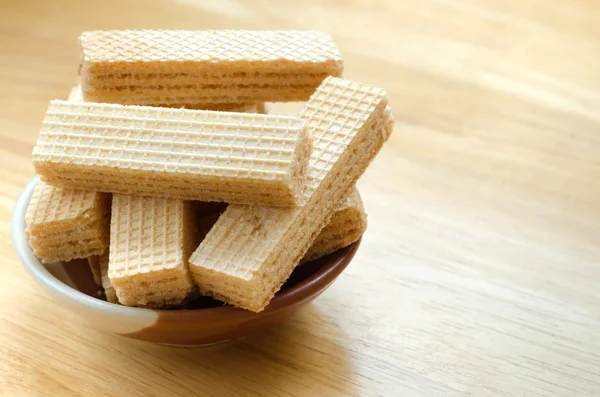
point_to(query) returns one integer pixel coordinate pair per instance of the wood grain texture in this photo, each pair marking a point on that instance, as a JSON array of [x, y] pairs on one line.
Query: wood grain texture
[[479, 274]]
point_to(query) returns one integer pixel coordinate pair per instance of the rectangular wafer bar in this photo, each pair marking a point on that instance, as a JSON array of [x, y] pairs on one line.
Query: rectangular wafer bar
[[76, 95], [99, 266], [65, 224], [90, 238], [256, 107], [347, 225], [179, 153], [150, 243], [68, 251], [94, 263], [88, 230], [251, 251], [109, 290], [57, 210], [175, 67]]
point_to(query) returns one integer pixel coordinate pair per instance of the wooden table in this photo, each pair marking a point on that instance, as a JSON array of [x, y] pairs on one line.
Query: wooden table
[[480, 272]]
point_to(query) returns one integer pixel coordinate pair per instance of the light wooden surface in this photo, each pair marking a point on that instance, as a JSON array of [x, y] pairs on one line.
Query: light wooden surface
[[480, 272]]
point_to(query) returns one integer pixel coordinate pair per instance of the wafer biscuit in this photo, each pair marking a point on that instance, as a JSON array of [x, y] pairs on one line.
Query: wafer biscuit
[[99, 266], [251, 251], [187, 154], [68, 251], [347, 225], [150, 67], [64, 224], [87, 230], [109, 290], [150, 243], [76, 95], [53, 210], [256, 107], [94, 263]]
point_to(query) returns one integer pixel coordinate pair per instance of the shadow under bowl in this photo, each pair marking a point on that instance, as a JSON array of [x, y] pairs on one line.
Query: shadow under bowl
[[204, 321]]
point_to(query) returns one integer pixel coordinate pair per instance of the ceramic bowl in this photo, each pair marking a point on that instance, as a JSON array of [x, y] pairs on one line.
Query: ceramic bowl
[[206, 322]]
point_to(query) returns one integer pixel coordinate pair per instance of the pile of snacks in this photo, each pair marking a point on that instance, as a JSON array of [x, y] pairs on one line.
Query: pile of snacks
[[168, 126]]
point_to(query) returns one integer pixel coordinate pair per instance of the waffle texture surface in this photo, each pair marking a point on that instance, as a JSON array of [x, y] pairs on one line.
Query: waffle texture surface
[[65, 224], [174, 67], [150, 243], [188, 154], [347, 225], [251, 251]]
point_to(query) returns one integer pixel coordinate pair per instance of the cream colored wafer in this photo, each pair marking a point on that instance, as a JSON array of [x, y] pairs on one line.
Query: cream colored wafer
[[159, 287], [65, 224], [211, 94], [162, 301], [68, 251], [256, 107], [109, 290], [187, 154], [94, 263], [347, 225], [55, 210], [76, 95], [98, 229], [64, 249], [150, 243], [149, 67], [99, 266], [251, 251]]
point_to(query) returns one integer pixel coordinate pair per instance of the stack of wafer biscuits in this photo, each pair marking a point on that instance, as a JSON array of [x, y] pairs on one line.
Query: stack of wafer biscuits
[[165, 141]]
